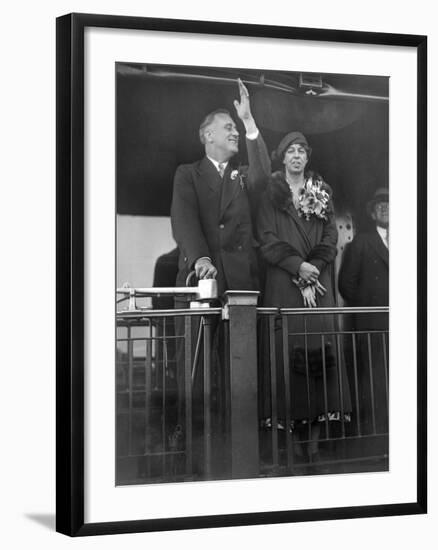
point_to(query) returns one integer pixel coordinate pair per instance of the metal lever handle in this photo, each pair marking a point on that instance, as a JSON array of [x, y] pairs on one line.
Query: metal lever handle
[[190, 277], [206, 290]]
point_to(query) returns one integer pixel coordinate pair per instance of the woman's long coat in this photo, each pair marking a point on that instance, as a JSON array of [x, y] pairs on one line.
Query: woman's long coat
[[318, 378]]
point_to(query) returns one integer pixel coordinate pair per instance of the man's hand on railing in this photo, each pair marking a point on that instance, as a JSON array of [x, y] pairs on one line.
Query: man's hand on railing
[[205, 269]]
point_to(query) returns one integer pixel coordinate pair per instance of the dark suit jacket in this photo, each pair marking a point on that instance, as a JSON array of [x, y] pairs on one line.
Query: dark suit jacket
[[165, 272], [364, 277], [212, 217]]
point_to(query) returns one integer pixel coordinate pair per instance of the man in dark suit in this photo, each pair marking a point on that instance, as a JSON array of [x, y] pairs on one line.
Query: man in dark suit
[[364, 274], [213, 201], [364, 281], [213, 206]]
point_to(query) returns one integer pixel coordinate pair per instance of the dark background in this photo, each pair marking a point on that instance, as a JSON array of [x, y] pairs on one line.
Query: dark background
[[159, 109]]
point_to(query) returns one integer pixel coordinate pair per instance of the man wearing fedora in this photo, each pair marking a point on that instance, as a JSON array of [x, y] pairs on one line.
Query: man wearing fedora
[[364, 274], [364, 281]]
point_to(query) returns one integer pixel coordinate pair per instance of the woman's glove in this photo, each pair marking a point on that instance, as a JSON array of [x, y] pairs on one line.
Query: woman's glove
[[308, 291], [309, 297]]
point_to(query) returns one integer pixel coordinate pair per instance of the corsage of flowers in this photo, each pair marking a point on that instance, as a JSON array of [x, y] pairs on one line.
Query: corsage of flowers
[[313, 200], [238, 174]]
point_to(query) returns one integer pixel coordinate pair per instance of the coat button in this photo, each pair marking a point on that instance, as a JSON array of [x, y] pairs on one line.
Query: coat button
[[221, 226]]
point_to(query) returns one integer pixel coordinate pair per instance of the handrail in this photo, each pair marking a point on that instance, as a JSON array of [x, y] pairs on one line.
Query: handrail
[[148, 312], [154, 313], [206, 290], [322, 310]]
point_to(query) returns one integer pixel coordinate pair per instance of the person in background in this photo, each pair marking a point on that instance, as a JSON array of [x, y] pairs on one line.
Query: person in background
[[364, 273], [364, 282], [165, 271]]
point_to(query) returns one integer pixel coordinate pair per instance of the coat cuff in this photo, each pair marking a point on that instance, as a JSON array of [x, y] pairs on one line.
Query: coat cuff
[[291, 264], [319, 264], [252, 135]]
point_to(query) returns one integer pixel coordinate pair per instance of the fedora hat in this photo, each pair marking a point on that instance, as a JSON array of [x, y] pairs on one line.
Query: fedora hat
[[380, 195]]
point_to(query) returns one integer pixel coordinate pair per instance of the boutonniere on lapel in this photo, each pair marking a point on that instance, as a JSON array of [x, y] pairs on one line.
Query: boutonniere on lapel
[[239, 176], [313, 199]]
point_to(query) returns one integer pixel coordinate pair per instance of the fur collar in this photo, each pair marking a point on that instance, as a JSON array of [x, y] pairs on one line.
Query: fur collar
[[279, 191]]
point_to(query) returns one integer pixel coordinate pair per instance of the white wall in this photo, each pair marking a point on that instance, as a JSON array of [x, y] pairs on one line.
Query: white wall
[[140, 241], [28, 282]]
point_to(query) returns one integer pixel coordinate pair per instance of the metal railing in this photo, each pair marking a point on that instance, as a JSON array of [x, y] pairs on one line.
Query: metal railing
[[155, 397], [187, 391], [157, 370], [343, 376]]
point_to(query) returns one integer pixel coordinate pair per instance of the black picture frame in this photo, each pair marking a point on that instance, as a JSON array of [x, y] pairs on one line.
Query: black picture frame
[[70, 273]]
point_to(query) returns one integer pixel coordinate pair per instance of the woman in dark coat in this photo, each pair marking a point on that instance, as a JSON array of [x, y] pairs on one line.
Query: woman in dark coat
[[298, 237]]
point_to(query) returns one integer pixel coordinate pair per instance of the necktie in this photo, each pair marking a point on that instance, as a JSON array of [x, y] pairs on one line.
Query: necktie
[[221, 169]]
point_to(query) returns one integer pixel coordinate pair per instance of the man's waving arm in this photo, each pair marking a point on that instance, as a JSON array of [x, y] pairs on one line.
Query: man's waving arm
[[259, 169]]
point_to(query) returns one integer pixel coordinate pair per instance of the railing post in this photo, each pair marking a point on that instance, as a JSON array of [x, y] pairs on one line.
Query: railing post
[[240, 309]]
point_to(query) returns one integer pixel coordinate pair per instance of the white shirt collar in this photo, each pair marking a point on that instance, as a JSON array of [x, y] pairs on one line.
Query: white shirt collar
[[216, 163], [383, 232]]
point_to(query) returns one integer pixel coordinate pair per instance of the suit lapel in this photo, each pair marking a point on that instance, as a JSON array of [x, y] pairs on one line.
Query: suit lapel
[[379, 247], [209, 175], [230, 189]]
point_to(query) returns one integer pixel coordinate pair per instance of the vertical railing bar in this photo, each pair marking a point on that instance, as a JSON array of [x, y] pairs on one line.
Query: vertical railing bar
[[126, 365], [385, 366], [324, 383], [163, 397], [148, 394], [274, 403], [130, 388], [188, 394], [207, 397], [227, 383], [341, 384], [287, 389], [219, 380], [197, 349], [155, 373], [155, 352], [370, 368], [145, 427], [356, 385], [306, 355]]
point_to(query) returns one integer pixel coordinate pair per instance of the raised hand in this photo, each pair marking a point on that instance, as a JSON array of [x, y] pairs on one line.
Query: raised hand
[[243, 108]]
